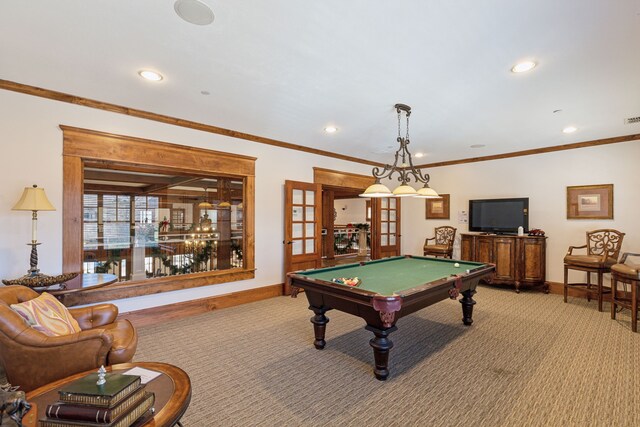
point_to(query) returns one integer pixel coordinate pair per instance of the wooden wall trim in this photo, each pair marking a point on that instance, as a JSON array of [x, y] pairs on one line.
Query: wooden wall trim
[[155, 315], [73, 177], [114, 108], [558, 288], [94, 145], [80, 145], [336, 178], [154, 286], [249, 213], [141, 114], [584, 144]]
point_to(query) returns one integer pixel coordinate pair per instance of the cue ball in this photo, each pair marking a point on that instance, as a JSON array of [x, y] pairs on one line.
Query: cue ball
[[456, 265]]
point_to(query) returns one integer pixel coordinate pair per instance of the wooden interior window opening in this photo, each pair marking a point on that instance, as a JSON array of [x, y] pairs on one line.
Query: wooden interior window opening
[[160, 216]]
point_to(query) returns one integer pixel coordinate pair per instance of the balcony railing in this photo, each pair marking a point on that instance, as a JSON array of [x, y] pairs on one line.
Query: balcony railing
[[170, 255], [348, 241]]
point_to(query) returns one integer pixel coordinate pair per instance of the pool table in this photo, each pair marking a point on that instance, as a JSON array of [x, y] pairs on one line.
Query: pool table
[[388, 289]]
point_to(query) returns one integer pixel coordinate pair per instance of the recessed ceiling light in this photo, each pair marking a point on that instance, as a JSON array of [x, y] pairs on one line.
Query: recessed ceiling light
[[194, 12], [330, 129], [205, 92], [150, 75], [477, 146], [570, 129], [523, 67], [418, 155]]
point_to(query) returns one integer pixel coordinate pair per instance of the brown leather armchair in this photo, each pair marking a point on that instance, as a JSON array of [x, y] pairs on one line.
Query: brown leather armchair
[[443, 245], [31, 358], [603, 248]]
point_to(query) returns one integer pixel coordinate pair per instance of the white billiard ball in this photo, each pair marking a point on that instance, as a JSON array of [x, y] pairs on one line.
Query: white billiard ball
[[456, 265]]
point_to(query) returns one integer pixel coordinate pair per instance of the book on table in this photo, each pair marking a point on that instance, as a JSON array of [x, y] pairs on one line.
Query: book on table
[[138, 411], [86, 391], [96, 414]]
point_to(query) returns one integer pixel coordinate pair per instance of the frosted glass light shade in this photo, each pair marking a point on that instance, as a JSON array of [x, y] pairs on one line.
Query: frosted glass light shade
[[404, 190], [33, 199], [376, 190], [427, 192]]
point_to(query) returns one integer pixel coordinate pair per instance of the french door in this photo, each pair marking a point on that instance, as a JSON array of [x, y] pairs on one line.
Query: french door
[[385, 227], [302, 227]]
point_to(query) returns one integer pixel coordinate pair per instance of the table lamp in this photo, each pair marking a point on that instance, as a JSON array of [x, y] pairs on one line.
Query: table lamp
[[33, 199]]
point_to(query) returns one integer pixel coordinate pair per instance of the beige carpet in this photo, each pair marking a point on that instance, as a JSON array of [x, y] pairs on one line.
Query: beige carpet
[[528, 360]]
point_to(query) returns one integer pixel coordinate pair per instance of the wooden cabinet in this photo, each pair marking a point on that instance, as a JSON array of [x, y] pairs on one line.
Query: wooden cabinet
[[519, 260]]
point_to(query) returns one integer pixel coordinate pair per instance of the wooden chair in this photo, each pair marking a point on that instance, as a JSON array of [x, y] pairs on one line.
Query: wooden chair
[[603, 249], [443, 245], [626, 273]]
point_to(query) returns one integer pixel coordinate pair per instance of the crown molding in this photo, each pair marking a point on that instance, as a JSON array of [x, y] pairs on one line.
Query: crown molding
[[114, 108]]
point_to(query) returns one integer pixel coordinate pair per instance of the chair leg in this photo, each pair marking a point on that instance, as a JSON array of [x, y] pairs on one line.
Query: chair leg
[[600, 274], [589, 286], [614, 287], [566, 276]]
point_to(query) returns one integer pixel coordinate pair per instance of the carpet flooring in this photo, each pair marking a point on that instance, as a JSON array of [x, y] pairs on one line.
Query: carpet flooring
[[528, 360]]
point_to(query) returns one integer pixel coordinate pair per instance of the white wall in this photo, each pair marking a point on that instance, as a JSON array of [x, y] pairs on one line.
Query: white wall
[[31, 144], [32, 154], [543, 178], [350, 211]]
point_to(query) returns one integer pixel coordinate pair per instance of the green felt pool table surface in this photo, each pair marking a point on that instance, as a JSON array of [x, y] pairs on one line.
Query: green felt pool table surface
[[391, 276]]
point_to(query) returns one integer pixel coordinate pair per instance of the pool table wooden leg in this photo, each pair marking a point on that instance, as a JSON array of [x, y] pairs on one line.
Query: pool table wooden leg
[[381, 345], [319, 325], [467, 306]]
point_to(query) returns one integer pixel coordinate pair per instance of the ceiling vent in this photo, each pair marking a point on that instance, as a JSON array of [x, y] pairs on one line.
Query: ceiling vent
[[632, 120]]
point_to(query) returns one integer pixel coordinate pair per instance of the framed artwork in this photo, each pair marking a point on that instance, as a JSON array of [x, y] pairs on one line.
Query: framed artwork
[[590, 202], [437, 208]]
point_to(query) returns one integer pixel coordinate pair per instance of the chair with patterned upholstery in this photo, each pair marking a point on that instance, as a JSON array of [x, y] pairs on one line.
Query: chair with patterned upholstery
[[627, 273], [603, 248], [32, 355], [443, 242]]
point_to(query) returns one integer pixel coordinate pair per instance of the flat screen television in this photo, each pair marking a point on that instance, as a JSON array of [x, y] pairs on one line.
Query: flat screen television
[[499, 215]]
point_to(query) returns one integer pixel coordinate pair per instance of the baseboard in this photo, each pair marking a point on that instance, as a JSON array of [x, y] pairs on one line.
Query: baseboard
[[558, 288], [154, 315]]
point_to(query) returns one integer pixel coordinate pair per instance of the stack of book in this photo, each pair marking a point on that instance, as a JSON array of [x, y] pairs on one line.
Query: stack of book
[[120, 402]]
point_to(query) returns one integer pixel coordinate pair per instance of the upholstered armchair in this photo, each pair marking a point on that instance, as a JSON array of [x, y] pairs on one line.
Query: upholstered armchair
[[628, 273], [443, 242], [603, 248], [32, 358]]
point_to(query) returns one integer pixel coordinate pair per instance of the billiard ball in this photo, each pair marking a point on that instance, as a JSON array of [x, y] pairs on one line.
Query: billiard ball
[[456, 265]]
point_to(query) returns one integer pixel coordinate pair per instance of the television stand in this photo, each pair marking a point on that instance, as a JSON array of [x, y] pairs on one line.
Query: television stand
[[519, 260]]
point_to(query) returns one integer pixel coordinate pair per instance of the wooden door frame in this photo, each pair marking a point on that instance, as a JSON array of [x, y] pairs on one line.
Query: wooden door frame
[[339, 179]]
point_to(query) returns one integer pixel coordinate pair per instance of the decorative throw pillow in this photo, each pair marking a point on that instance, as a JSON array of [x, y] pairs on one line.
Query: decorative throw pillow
[[47, 315]]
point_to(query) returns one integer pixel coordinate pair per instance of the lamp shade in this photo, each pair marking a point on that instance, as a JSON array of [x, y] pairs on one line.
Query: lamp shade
[[224, 205], [376, 190], [205, 205], [427, 192], [404, 190], [33, 199]]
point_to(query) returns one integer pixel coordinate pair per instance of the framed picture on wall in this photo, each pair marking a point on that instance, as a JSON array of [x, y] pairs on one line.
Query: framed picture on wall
[[437, 208], [590, 202]]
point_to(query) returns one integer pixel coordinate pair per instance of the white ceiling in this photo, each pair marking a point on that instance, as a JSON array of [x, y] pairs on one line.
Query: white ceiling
[[285, 69]]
